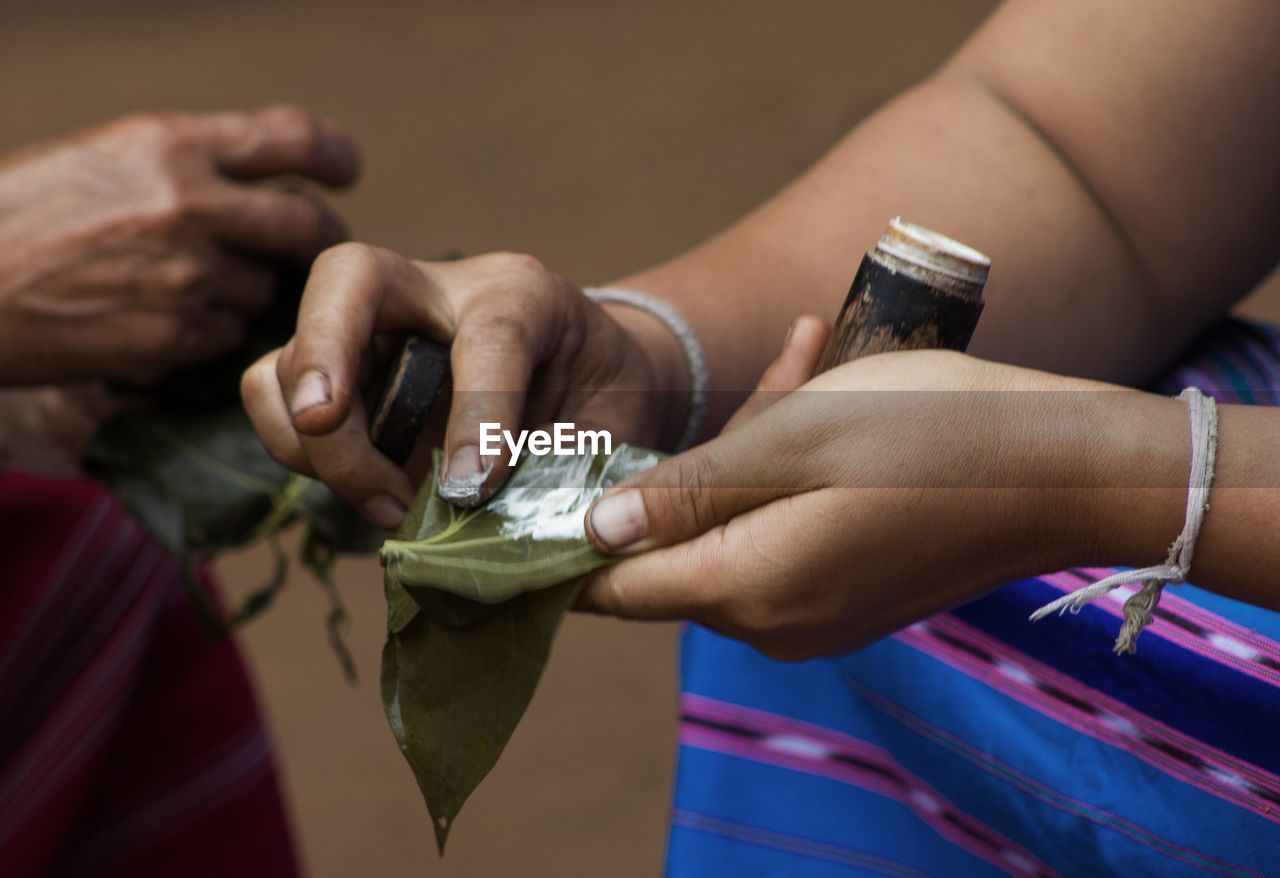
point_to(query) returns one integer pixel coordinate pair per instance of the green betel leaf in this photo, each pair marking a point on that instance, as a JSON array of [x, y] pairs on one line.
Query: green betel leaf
[[529, 536], [453, 696], [474, 598]]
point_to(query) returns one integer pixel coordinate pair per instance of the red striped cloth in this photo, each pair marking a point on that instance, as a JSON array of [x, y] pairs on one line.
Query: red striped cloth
[[130, 742]]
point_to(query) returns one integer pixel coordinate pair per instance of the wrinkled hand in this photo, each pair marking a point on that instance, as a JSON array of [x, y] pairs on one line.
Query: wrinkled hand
[[822, 519], [527, 348], [46, 430], [136, 247]]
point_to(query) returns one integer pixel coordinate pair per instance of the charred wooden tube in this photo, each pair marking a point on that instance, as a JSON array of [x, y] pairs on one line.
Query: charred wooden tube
[[417, 375], [917, 289]]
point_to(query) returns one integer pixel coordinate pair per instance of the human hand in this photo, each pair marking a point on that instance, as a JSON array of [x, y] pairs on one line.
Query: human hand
[[137, 247], [883, 491], [527, 348], [46, 430]]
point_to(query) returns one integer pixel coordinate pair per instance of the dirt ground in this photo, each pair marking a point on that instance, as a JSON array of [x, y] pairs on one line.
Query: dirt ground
[[599, 135]]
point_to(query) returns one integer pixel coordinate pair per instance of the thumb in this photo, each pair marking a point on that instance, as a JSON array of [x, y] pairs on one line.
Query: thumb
[[691, 493], [701, 489], [800, 353]]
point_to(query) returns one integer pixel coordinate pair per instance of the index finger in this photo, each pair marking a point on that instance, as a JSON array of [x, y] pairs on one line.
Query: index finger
[[283, 139], [353, 292]]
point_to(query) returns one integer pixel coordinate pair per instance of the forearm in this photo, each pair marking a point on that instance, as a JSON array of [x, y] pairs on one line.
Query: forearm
[[1125, 200], [1123, 460], [950, 156]]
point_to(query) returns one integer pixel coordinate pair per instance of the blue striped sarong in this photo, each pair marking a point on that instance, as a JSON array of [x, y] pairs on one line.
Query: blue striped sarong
[[974, 743]]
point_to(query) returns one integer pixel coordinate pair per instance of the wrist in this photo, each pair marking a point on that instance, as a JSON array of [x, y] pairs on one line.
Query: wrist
[[1124, 476], [661, 359]]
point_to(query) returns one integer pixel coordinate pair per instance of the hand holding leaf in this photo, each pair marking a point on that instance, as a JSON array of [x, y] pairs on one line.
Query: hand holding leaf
[[474, 597]]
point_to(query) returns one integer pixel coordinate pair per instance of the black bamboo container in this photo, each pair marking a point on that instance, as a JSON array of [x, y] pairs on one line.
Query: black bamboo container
[[417, 375], [916, 289]]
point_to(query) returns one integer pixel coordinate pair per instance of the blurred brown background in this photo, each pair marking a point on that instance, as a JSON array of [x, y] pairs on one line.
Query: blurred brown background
[[598, 135]]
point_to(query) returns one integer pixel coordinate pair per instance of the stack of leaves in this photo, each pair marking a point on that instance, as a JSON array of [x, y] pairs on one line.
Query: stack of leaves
[[474, 597], [190, 468]]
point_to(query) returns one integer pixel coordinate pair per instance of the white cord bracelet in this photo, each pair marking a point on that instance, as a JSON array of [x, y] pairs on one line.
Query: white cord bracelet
[[1138, 608], [695, 359]]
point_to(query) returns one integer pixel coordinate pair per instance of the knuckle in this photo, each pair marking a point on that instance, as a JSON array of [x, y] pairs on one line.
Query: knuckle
[[188, 276], [294, 123], [692, 495], [349, 255], [153, 127], [520, 271], [500, 331], [255, 382], [170, 206]]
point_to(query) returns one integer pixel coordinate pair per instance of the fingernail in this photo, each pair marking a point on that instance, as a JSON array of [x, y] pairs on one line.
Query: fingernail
[[384, 511], [618, 520], [790, 329], [313, 390], [464, 476]]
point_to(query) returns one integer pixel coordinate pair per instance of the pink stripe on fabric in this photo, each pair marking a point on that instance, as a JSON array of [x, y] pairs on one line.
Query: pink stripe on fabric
[[787, 727], [777, 724], [1042, 792], [1193, 612], [928, 810], [1208, 376], [1113, 604], [57, 665], [1251, 360], [792, 844], [1075, 688], [51, 590], [1071, 686], [1196, 377], [916, 637], [71, 732], [95, 693]]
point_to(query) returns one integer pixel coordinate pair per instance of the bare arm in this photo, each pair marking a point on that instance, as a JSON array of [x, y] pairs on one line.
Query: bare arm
[[1117, 161], [822, 519]]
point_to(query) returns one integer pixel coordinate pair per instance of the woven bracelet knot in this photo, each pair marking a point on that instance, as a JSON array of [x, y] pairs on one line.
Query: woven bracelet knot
[[1140, 606]]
